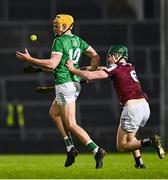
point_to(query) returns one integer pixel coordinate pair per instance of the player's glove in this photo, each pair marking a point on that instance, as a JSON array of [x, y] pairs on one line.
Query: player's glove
[[32, 69]]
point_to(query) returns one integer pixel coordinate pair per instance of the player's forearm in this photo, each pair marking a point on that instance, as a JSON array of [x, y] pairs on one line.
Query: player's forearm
[[83, 74], [46, 63], [95, 62], [86, 75]]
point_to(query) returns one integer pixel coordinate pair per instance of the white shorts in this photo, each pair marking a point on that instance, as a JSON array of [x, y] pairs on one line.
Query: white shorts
[[67, 92], [134, 116]]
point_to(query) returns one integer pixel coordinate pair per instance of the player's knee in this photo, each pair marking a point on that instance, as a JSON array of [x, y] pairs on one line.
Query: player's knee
[[71, 127], [121, 147], [50, 113], [54, 115]]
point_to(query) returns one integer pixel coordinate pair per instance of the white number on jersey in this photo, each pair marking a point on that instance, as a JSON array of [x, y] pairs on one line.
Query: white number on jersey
[[134, 76], [74, 55]]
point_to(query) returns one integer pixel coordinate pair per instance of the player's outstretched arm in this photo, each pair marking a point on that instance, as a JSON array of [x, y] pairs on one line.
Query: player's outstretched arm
[[89, 68], [84, 74], [51, 63]]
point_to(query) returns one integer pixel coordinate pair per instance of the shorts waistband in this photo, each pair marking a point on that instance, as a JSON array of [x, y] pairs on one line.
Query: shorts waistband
[[134, 101]]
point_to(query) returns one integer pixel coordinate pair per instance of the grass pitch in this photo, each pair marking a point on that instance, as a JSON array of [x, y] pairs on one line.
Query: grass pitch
[[116, 166]]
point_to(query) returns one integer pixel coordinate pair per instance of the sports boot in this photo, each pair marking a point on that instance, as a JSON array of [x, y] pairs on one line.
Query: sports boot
[[156, 144], [71, 157], [142, 166], [99, 158]]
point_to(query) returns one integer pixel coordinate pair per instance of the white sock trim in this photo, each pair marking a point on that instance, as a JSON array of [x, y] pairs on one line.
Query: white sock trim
[[89, 142], [95, 150], [66, 137], [69, 147]]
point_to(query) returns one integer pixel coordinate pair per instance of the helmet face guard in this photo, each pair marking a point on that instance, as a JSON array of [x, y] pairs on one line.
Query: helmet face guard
[[121, 50], [63, 20]]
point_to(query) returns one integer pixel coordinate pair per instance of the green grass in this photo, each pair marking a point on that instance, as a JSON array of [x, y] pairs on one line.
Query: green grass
[[116, 166]]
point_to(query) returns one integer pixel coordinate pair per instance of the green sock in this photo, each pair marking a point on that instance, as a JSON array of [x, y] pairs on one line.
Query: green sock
[[68, 143], [92, 147], [70, 138], [138, 161]]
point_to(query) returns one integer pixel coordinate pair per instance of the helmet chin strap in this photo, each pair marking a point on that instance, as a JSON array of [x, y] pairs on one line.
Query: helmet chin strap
[[57, 35], [120, 58]]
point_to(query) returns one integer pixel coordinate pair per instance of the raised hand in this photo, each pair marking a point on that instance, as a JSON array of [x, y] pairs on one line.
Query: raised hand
[[23, 56]]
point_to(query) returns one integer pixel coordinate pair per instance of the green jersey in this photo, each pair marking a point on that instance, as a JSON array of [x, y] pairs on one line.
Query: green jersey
[[71, 47]]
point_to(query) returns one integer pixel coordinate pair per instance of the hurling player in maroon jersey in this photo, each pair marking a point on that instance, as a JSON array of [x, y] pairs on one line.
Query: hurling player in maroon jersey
[[136, 109]]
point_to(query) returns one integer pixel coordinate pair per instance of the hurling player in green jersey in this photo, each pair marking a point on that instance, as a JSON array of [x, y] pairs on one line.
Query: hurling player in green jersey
[[67, 85]]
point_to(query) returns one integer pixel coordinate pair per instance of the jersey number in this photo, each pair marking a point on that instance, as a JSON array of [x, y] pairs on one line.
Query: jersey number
[[134, 76], [74, 54]]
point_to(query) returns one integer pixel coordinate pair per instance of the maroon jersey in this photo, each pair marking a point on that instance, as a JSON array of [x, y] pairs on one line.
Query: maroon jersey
[[125, 82]]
